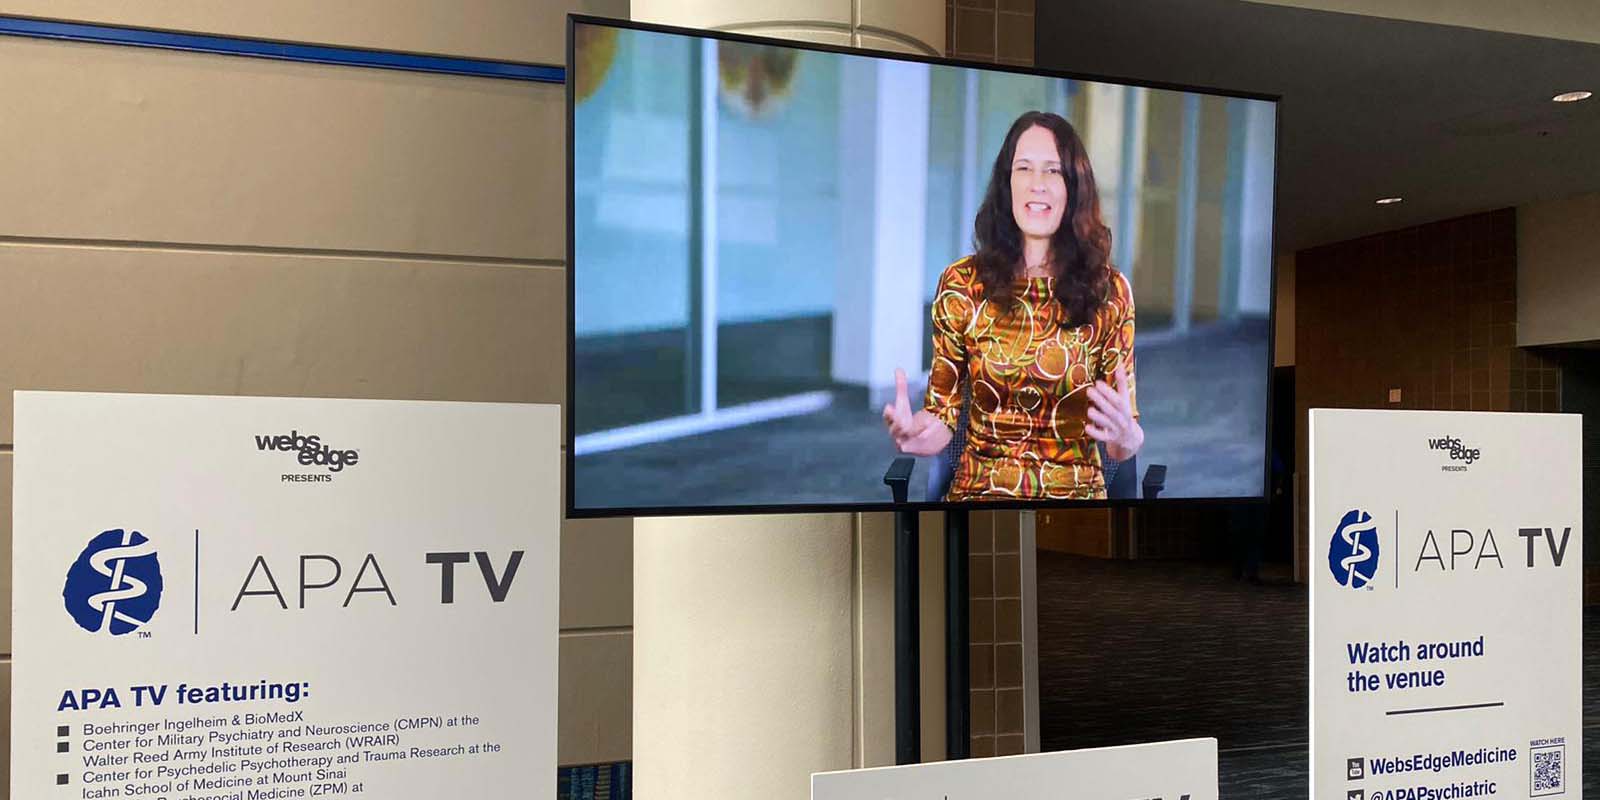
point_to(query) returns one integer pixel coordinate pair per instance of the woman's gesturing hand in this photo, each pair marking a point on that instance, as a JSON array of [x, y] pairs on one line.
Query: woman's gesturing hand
[[1111, 418], [916, 434]]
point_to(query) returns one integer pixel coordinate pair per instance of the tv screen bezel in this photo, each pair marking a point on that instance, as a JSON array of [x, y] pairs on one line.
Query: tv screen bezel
[[569, 459]]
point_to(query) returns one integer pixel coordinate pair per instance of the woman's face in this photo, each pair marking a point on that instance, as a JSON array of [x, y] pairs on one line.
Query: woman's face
[[1038, 189]]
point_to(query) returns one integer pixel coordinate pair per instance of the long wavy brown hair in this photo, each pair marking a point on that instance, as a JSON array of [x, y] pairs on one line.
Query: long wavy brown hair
[[1080, 250]]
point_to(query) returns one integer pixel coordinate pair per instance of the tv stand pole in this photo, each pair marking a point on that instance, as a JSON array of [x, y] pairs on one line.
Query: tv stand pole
[[907, 645], [957, 650], [907, 657]]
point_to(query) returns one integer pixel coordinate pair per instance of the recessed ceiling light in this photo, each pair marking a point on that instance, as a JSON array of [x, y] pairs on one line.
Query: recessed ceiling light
[[1389, 201], [1572, 97]]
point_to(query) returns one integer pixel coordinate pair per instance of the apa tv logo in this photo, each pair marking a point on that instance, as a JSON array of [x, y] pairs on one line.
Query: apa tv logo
[[312, 451], [1457, 450], [1353, 552], [115, 585]]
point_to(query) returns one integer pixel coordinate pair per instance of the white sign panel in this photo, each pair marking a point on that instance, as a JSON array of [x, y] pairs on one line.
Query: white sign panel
[[257, 598], [1180, 770], [1446, 605]]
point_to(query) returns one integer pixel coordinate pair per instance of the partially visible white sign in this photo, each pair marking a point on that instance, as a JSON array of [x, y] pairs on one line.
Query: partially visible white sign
[[1446, 605], [1180, 770], [236, 598]]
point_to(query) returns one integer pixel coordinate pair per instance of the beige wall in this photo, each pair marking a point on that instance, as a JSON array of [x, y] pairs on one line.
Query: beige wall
[[1558, 271], [140, 145], [211, 224], [1578, 20], [512, 30]]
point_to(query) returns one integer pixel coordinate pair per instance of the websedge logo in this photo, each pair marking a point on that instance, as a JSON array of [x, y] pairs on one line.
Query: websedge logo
[[312, 452], [1457, 450]]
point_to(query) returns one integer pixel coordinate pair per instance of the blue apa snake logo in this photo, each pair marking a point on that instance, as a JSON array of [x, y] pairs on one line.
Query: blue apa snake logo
[[1353, 554], [115, 585]]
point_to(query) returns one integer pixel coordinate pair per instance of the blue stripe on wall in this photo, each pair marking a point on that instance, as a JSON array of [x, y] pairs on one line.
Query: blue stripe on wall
[[285, 51]]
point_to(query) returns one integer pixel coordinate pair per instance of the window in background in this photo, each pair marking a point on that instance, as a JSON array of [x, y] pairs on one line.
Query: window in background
[[631, 215]]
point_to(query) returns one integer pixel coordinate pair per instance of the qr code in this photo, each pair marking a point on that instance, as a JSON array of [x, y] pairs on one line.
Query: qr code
[[1548, 774]]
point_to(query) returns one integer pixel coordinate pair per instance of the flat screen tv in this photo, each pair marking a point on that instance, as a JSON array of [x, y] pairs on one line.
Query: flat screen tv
[[795, 269]]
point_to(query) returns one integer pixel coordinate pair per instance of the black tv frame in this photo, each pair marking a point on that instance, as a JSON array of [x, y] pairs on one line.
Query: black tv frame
[[568, 435]]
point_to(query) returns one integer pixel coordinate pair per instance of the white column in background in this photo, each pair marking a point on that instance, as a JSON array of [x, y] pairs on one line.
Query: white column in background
[[883, 172], [1255, 209]]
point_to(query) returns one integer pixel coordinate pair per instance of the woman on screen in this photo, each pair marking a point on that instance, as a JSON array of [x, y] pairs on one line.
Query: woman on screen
[[1039, 325]]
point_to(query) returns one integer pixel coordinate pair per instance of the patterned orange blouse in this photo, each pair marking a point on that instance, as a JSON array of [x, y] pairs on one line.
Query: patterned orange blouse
[[1029, 376]]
